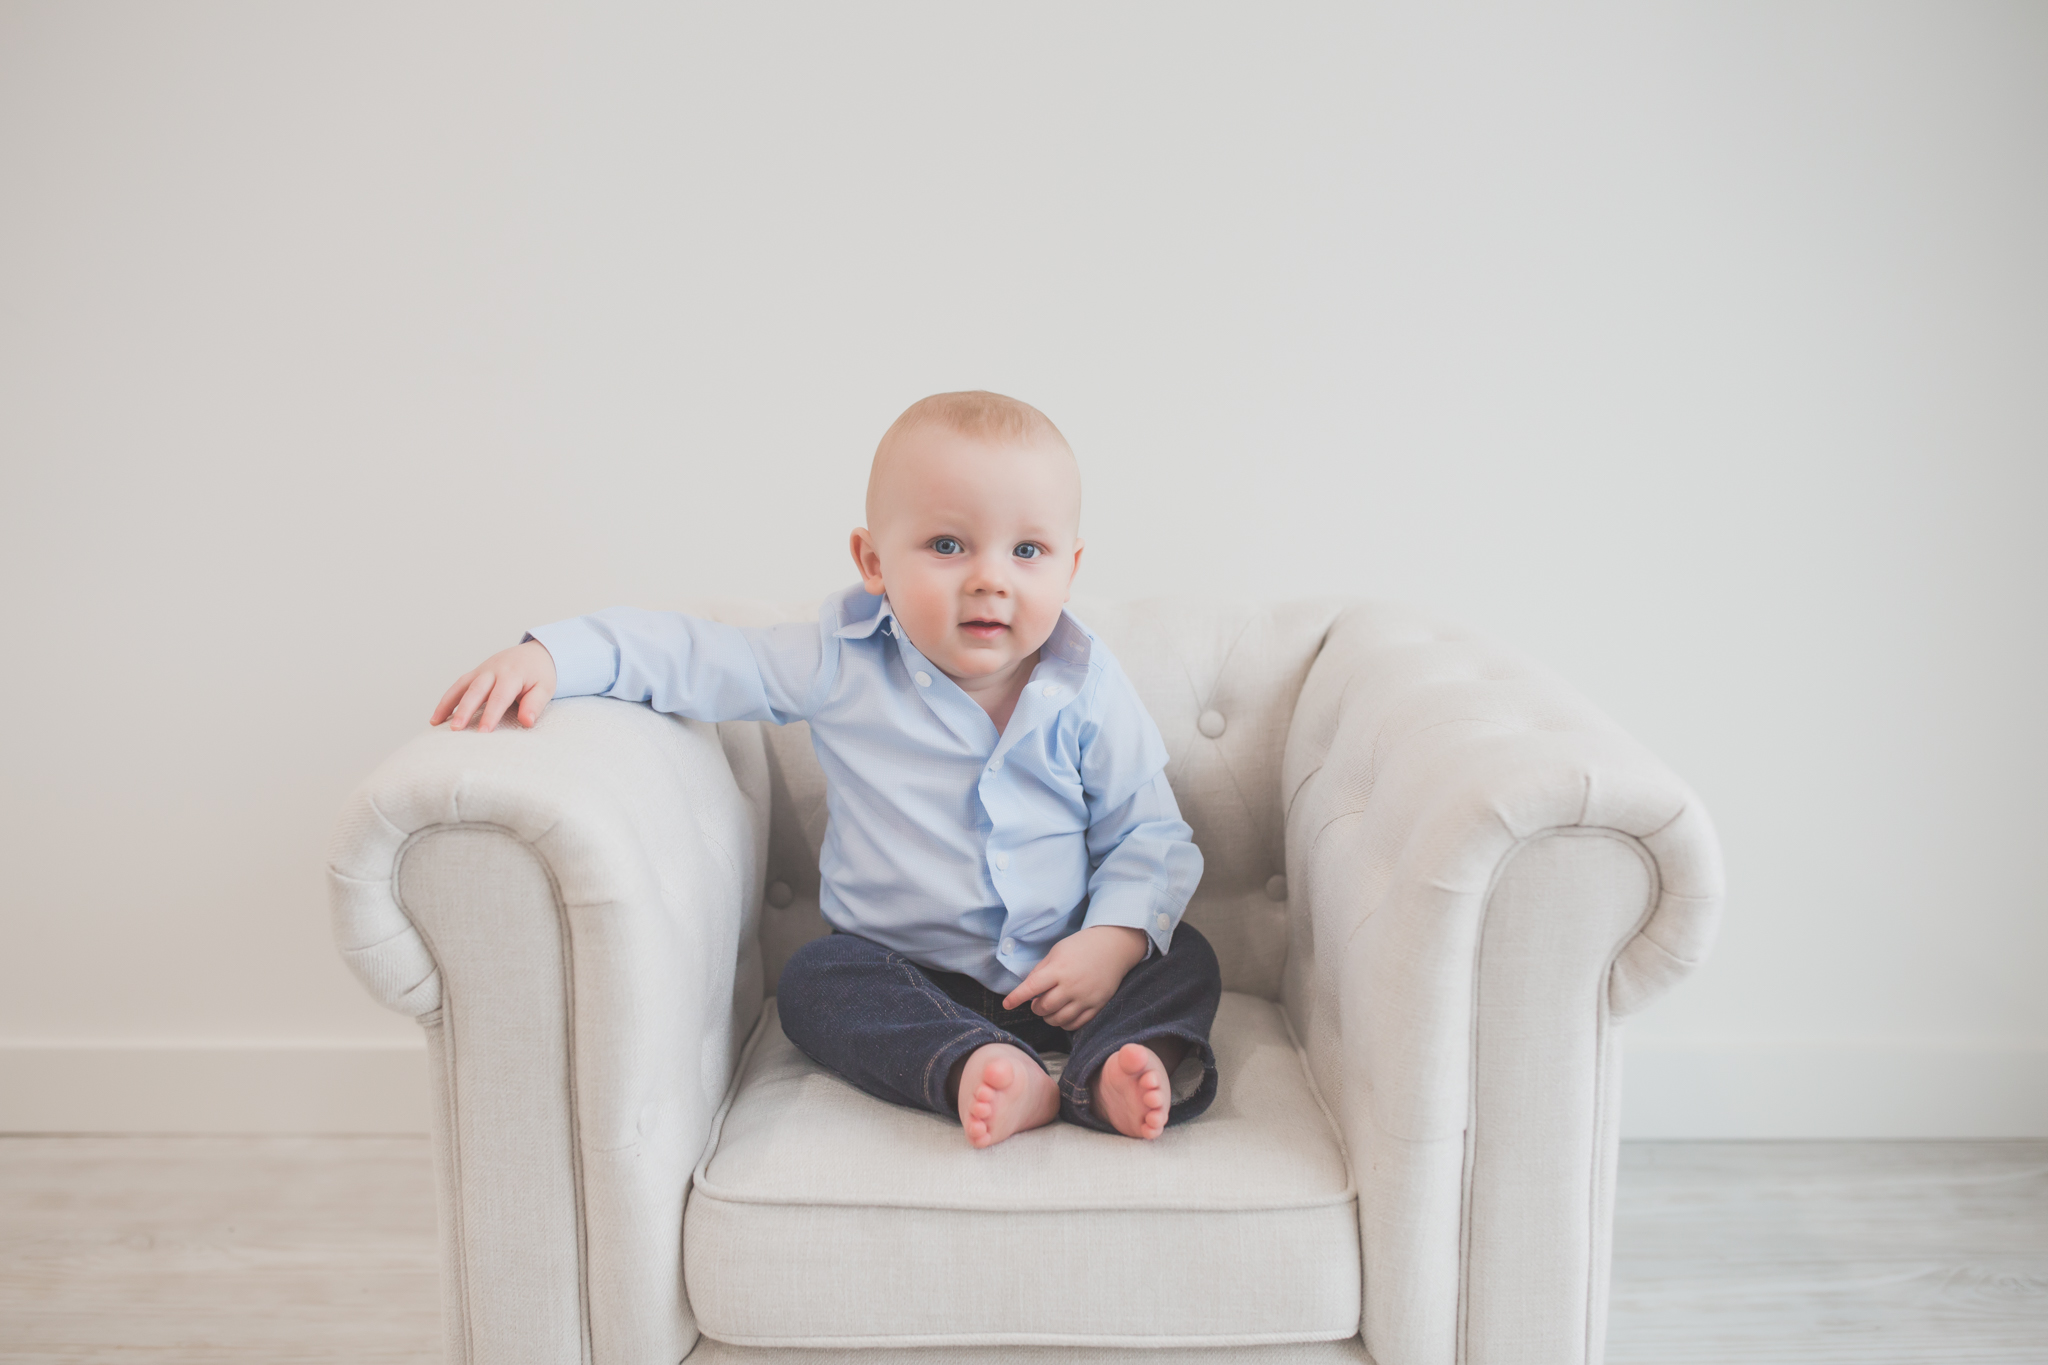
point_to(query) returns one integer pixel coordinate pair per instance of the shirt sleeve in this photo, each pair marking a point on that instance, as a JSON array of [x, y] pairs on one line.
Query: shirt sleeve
[[687, 666], [1145, 863]]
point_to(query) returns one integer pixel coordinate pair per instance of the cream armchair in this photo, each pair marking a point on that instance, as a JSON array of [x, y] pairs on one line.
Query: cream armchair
[[1437, 881]]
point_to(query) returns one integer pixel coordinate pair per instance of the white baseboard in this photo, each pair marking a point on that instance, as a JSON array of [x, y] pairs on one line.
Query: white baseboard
[[1673, 1089], [226, 1088], [1670, 1089]]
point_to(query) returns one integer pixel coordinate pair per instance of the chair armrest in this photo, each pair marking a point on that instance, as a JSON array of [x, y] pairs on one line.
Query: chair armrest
[[1485, 873], [571, 912]]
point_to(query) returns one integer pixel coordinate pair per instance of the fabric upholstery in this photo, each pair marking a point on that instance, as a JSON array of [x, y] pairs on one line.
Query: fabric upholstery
[[1347, 1352], [1452, 876], [1419, 763], [1540, 1147], [823, 1216], [572, 910]]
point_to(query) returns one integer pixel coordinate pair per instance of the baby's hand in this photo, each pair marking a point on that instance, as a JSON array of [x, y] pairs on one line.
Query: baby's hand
[[524, 673], [1078, 976]]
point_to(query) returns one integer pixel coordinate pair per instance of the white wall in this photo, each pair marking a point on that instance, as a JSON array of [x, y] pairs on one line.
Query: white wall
[[1699, 352]]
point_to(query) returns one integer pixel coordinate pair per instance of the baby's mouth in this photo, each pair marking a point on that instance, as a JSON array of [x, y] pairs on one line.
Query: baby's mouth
[[983, 630]]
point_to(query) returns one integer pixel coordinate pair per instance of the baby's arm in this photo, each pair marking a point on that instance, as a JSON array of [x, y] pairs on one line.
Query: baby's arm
[[1078, 976], [524, 674], [683, 665]]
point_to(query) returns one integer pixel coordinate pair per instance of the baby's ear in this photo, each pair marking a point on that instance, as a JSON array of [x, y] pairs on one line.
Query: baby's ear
[[868, 560]]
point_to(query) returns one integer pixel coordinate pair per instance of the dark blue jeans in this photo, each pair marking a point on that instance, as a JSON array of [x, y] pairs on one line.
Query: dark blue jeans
[[895, 1029]]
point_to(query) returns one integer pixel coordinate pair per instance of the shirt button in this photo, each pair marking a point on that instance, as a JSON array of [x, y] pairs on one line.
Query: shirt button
[[1002, 862], [1164, 922], [1051, 689], [1009, 945], [924, 679]]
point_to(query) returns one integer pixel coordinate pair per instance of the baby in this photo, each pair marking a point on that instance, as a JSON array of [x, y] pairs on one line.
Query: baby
[[1004, 867]]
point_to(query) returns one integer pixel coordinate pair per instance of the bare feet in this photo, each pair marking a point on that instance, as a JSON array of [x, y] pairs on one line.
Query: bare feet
[[1003, 1091], [1132, 1091]]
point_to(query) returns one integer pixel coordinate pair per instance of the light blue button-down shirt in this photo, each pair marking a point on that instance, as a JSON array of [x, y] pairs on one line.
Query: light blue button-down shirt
[[962, 849]]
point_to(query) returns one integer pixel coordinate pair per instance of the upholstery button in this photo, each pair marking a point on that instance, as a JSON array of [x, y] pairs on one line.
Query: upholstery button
[[1276, 887], [1164, 922], [1002, 862], [1210, 723], [779, 895], [924, 679]]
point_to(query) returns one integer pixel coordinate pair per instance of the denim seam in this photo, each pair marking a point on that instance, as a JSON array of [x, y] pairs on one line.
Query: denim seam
[[930, 1092], [1211, 1077], [1078, 1094], [951, 1009]]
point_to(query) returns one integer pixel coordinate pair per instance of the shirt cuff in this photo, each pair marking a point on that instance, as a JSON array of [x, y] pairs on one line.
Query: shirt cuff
[[1130, 906], [586, 660]]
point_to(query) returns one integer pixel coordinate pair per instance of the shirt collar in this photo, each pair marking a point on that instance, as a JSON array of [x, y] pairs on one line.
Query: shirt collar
[[1069, 642], [1072, 645], [862, 613]]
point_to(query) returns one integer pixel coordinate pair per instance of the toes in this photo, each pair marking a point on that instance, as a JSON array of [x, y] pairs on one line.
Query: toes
[[998, 1074]]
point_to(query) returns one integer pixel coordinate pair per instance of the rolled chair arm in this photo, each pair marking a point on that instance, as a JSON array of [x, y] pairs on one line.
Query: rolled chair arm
[[571, 912], [1486, 876]]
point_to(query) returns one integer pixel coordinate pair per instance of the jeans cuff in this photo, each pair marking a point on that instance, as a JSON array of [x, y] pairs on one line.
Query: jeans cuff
[[963, 1047], [1076, 1104]]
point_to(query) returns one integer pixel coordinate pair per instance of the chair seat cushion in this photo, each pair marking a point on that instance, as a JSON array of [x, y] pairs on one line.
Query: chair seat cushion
[[822, 1216]]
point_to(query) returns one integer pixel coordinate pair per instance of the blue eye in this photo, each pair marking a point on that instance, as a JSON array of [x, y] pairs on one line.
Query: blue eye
[[1027, 551], [946, 545]]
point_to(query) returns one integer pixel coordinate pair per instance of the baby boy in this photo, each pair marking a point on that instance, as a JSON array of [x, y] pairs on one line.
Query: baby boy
[[1004, 867]]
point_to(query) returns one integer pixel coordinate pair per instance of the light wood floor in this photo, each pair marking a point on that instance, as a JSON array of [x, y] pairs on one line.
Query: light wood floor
[[1871, 1252], [236, 1250]]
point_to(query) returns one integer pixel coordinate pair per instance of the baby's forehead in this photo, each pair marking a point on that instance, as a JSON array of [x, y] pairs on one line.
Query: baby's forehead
[[929, 468], [932, 451]]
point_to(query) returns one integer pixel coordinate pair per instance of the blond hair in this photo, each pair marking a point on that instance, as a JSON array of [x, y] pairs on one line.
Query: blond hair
[[975, 412]]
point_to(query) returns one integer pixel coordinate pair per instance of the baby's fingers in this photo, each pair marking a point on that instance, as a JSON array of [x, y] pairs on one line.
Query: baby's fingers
[[1038, 979], [479, 688], [532, 702], [446, 706], [503, 693], [1053, 1001]]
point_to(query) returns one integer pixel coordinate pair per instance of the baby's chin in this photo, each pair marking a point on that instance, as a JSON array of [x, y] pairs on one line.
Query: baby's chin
[[973, 657], [977, 663]]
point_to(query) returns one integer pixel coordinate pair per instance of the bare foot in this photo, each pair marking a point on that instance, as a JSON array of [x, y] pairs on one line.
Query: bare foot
[[1002, 1091], [1132, 1091]]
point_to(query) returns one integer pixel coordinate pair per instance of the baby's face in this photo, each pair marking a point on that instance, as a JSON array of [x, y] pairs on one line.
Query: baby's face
[[976, 541]]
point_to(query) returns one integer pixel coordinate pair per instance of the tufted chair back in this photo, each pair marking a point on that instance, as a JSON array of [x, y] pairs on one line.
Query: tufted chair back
[[1220, 678]]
